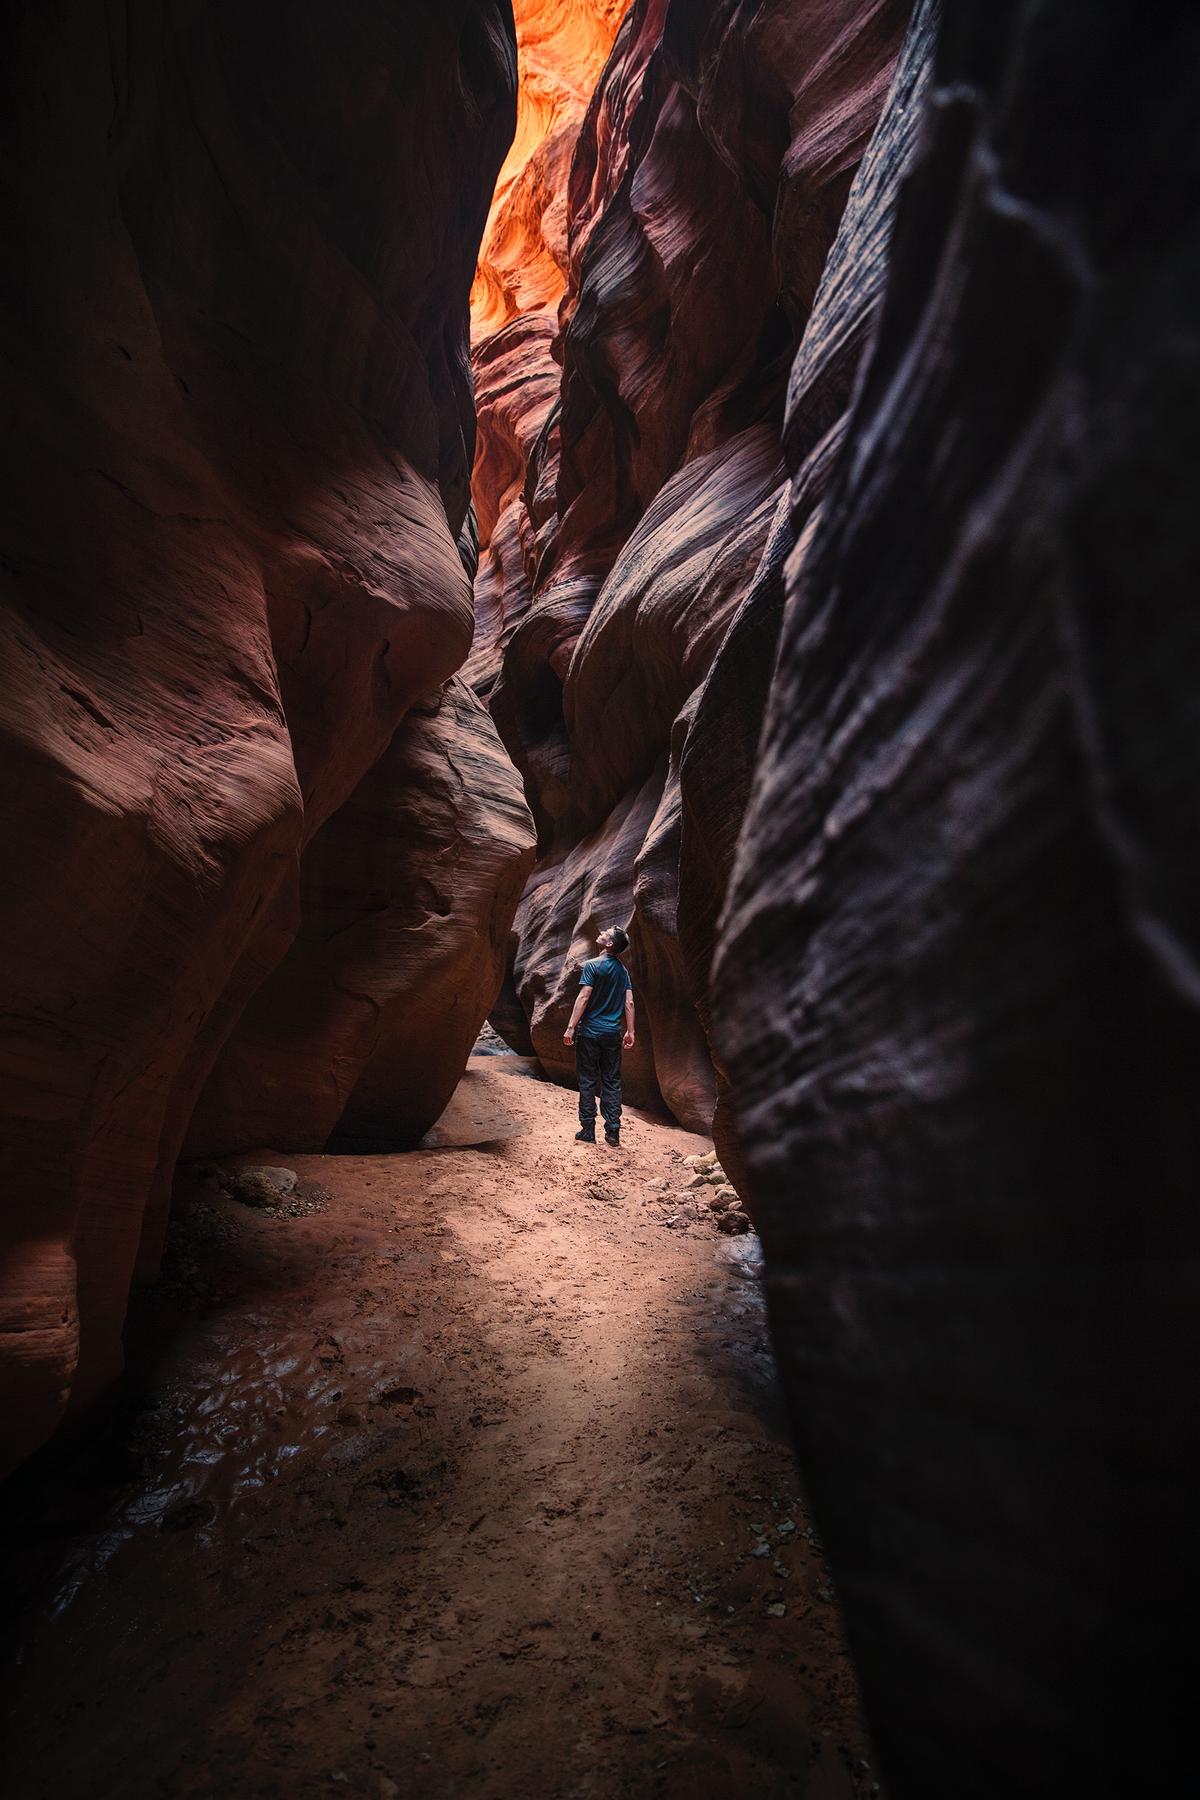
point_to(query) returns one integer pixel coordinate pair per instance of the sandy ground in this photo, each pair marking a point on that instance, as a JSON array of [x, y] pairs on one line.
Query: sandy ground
[[471, 1480]]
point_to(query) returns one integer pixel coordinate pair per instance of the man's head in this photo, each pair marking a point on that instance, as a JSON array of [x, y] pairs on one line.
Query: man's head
[[613, 939]]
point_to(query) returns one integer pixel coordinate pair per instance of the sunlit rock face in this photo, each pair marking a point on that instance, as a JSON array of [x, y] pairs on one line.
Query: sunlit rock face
[[958, 985], [632, 485], [240, 241], [519, 283], [562, 46]]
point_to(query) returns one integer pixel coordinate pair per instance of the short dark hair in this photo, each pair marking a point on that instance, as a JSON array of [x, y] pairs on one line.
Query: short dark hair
[[620, 940]]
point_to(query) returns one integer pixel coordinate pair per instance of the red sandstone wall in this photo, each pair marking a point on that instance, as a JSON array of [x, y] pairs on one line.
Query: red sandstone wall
[[627, 499], [562, 46], [238, 246], [407, 894]]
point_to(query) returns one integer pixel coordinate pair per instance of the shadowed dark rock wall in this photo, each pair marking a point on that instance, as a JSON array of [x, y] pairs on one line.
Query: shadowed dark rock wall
[[959, 972], [239, 241], [720, 754]]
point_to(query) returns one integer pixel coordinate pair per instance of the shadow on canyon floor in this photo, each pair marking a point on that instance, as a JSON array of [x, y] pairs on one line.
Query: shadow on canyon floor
[[471, 1480]]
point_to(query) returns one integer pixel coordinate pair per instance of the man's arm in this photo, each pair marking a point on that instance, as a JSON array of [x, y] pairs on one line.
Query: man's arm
[[577, 1012], [628, 1040]]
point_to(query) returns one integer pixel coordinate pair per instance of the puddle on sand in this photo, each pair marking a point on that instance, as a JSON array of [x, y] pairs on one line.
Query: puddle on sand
[[743, 1255]]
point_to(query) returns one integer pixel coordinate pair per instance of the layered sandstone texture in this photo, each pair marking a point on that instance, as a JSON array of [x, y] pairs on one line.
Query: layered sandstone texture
[[632, 477], [958, 984], [239, 245], [407, 894], [562, 45], [521, 278]]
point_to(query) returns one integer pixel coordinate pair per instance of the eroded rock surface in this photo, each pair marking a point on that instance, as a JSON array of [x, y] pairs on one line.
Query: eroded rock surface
[[957, 989], [636, 502], [407, 895], [239, 244], [561, 48]]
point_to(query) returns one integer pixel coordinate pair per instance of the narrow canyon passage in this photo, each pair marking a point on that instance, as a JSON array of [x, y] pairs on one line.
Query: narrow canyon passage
[[491, 481], [472, 1477]]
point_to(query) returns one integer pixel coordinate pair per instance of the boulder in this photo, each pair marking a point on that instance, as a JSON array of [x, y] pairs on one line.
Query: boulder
[[261, 1186]]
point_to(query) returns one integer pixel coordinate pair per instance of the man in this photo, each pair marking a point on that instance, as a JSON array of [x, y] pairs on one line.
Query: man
[[603, 1015]]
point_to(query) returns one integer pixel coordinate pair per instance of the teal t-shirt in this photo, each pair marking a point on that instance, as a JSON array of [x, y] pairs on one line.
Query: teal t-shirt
[[609, 982]]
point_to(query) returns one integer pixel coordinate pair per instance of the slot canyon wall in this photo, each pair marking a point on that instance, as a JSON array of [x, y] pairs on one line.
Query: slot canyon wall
[[631, 480], [958, 980], [836, 375], [240, 241], [868, 411]]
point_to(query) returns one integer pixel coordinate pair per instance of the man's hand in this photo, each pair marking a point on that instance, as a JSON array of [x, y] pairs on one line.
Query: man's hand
[[569, 1036], [627, 1040]]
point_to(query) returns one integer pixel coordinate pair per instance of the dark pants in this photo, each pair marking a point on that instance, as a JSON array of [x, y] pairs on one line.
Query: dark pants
[[598, 1059]]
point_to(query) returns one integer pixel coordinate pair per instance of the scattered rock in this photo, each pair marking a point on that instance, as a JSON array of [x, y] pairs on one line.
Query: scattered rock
[[284, 1179], [261, 1186], [313, 1195], [723, 1198], [777, 1610], [733, 1223], [761, 1550]]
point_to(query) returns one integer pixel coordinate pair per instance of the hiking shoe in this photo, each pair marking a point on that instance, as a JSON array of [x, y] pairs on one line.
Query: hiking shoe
[[613, 1138], [586, 1136]]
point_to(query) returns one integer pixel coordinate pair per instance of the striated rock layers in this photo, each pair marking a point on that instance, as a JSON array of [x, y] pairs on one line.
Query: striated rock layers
[[633, 501], [958, 985], [406, 899], [561, 48], [239, 241]]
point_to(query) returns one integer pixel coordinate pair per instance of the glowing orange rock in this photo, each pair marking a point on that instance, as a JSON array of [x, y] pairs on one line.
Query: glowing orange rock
[[562, 45]]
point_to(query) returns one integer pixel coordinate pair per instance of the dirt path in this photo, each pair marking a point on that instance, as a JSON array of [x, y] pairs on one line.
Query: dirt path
[[452, 1487]]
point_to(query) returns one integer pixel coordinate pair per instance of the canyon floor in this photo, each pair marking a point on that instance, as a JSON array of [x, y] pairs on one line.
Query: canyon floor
[[470, 1478]]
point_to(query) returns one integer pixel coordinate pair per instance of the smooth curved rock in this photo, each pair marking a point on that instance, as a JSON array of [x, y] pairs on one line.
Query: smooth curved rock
[[239, 426], [720, 755], [706, 189], [408, 895], [956, 991], [561, 49], [553, 942]]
